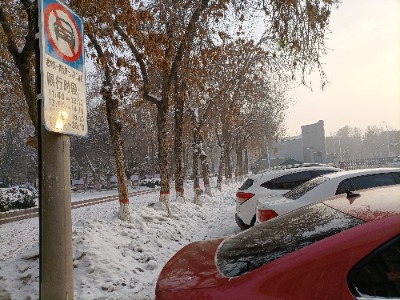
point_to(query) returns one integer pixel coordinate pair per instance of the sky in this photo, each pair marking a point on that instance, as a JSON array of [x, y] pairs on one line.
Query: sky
[[114, 259], [363, 68]]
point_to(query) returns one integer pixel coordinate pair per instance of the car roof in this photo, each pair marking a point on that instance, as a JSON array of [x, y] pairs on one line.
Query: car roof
[[369, 205], [358, 172], [275, 173]]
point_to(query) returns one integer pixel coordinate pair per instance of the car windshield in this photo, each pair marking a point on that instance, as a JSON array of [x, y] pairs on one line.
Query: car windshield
[[300, 190], [278, 237]]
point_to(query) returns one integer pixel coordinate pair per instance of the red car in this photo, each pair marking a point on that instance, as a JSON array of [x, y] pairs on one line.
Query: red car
[[346, 247]]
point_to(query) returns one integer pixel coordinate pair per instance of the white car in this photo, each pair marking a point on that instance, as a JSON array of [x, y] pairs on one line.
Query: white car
[[326, 186], [276, 182]]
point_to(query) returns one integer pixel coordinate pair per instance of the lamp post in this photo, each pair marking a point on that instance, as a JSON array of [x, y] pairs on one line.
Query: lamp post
[[387, 138], [269, 162]]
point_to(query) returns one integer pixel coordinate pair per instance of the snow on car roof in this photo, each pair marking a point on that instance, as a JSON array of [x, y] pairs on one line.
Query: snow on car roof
[[275, 173], [351, 173], [369, 205]]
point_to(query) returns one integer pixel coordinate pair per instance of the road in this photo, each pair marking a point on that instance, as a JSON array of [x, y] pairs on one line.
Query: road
[[16, 215]]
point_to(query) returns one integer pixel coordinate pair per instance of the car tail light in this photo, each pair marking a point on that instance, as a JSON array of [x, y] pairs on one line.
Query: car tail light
[[266, 214], [243, 197]]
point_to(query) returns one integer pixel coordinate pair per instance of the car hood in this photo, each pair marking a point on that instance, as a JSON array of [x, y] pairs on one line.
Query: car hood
[[193, 267], [264, 202]]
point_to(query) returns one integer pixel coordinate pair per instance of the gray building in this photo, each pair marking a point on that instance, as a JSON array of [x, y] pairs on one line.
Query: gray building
[[310, 147], [314, 147], [287, 148]]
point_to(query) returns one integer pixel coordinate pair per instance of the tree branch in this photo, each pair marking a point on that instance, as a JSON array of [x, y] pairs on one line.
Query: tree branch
[[140, 61], [11, 44]]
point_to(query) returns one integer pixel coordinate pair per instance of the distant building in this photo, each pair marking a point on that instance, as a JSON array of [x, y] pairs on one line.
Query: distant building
[[314, 147], [288, 148], [310, 147]]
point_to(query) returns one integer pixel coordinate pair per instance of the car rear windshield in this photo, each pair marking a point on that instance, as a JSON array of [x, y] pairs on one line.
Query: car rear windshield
[[280, 236], [248, 183], [300, 190]]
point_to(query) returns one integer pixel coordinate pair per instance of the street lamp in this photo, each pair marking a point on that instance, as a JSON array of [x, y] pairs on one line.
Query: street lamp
[[387, 138]]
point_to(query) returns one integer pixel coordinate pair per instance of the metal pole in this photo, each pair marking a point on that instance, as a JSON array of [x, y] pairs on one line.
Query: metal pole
[[38, 87], [55, 225], [387, 139]]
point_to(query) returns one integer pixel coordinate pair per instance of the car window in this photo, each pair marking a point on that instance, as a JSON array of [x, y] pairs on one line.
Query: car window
[[316, 173], [379, 274], [300, 190], [248, 183], [345, 185], [375, 180], [280, 236], [396, 177], [288, 181]]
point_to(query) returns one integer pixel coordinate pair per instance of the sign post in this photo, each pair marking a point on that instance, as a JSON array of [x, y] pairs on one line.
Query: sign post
[[62, 111]]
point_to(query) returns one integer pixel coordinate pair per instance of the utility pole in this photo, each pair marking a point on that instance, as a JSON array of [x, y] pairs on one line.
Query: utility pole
[[387, 138], [61, 94], [268, 159], [56, 225]]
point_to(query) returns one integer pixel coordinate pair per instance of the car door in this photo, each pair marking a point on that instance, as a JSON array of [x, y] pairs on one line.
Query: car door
[[378, 275]]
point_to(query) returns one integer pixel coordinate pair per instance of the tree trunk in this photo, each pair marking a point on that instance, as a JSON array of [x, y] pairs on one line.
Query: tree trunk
[[239, 163], [246, 162], [26, 73], [221, 168], [196, 156], [152, 159], [24, 59], [171, 165], [228, 167], [125, 211], [96, 178], [212, 159], [178, 146], [163, 154], [114, 127], [85, 183], [205, 171], [185, 163], [108, 182]]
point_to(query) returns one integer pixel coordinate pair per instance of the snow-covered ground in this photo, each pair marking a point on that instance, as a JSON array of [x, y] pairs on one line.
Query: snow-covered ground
[[114, 259]]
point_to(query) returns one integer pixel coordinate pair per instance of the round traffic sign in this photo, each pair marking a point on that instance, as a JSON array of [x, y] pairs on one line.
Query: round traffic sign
[[63, 32]]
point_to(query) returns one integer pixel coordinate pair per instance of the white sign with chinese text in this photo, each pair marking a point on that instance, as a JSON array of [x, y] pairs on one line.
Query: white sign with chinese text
[[63, 69]]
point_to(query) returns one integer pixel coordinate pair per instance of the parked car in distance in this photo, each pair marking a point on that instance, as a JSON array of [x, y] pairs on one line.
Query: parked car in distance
[[275, 182], [341, 248], [325, 186]]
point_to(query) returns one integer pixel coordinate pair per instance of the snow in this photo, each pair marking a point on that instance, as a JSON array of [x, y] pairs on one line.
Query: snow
[[155, 97], [114, 259]]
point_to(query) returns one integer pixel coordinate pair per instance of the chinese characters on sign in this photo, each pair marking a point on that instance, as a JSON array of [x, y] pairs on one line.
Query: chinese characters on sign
[[66, 109]]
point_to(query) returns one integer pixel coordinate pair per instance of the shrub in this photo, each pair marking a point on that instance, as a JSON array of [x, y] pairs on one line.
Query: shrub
[[19, 197]]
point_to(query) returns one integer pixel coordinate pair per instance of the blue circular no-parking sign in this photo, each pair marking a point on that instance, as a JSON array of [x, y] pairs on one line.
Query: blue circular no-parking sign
[[63, 34]]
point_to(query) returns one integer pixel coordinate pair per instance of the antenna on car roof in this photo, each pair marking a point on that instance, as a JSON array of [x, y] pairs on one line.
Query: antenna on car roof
[[350, 194]]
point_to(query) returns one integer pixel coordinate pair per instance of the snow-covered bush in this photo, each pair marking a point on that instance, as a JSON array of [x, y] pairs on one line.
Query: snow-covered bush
[[17, 197]]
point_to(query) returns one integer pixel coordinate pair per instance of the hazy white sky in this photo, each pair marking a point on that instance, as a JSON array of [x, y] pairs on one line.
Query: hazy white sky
[[363, 68]]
